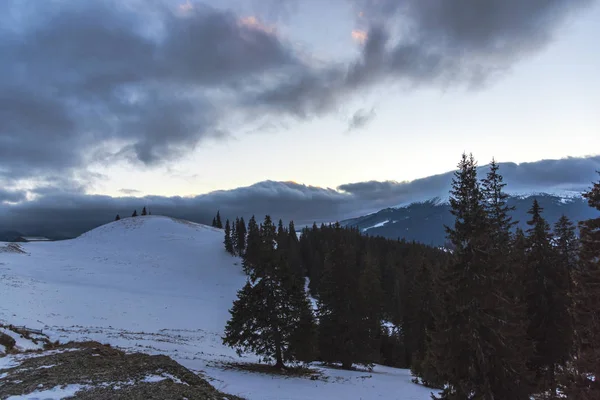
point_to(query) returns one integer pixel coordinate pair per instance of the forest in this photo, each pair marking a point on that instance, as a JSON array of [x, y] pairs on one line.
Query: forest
[[500, 313]]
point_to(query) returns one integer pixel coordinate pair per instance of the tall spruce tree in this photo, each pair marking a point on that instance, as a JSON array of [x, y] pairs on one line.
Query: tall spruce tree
[[144, 212], [252, 253], [294, 251], [496, 207], [547, 303], [585, 383], [468, 345], [241, 237], [234, 237], [271, 308], [214, 222], [227, 241], [218, 223]]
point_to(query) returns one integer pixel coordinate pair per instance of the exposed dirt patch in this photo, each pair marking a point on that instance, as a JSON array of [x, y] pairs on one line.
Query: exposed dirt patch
[[105, 373], [301, 372], [12, 248], [7, 341]]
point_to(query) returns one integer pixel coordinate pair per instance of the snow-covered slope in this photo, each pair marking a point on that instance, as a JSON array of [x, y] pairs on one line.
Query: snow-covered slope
[[160, 285]]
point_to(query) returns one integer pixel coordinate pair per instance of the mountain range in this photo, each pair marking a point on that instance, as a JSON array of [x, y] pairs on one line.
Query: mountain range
[[424, 221], [415, 210]]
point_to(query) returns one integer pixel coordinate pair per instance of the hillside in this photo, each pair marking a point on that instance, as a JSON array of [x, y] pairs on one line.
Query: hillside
[[424, 221], [161, 286]]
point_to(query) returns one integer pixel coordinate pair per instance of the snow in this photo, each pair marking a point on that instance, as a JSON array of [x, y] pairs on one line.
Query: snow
[[50, 394], [160, 286], [377, 225], [22, 343]]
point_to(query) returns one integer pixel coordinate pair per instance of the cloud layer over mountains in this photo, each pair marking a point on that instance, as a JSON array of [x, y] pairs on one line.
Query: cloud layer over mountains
[[99, 81], [70, 213]]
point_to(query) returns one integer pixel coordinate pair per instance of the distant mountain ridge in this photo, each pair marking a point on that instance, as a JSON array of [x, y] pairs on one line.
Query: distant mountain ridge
[[424, 221]]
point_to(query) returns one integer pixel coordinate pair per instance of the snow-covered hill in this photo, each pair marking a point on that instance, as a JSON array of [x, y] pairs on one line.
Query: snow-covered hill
[[161, 286]]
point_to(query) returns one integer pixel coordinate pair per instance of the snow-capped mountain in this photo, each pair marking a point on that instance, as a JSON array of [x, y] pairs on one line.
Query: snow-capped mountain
[[162, 286], [425, 221]]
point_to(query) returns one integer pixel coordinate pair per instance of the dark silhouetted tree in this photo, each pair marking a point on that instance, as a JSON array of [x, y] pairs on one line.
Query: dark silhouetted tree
[[240, 242], [144, 212], [227, 241], [547, 283], [271, 308], [135, 214], [471, 344], [218, 223], [585, 383], [117, 218]]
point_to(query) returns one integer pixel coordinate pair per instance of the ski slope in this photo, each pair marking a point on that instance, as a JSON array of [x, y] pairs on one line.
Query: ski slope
[[161, 286]]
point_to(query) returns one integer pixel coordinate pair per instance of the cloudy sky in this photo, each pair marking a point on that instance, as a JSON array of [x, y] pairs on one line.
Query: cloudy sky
[[121, 98]]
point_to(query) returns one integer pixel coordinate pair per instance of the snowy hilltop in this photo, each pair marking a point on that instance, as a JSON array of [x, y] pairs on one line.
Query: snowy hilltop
[[161, 286]]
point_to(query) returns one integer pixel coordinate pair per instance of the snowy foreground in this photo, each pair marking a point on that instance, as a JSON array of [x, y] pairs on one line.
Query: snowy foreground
[[161, 286]]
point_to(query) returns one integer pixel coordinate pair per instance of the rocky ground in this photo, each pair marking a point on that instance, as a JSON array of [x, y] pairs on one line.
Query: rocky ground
[[92, 371]]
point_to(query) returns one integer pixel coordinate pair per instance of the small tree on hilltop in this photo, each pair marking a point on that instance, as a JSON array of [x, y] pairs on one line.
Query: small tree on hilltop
[[117, 218], [144, 212], [134, 213]]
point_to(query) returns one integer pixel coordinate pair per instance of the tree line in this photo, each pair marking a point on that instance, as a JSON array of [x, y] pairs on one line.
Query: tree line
[[505, 314]]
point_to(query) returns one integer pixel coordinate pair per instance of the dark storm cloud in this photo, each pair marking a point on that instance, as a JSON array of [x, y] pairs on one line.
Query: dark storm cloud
[[148, 81], [361, 118], [426, 42], [71, 213], [88, 81], [12, 196]]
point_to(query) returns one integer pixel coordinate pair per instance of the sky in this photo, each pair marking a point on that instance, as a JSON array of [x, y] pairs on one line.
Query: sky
[[169, 98]]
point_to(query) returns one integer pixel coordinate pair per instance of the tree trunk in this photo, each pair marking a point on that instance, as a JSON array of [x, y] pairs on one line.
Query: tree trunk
[[346, 364], [552, 382], [278, 356]]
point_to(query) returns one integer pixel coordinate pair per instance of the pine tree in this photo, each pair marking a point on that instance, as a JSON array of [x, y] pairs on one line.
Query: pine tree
[[586, 311], [495, 202], [294, 251], [251, 256], [227, 240], [346, 327], [469, 346], [134, 213], [547, 302], [234, 236], [144, 212], [117, 218], [271, 308], [241, 237], [214, 222], [218, 223]]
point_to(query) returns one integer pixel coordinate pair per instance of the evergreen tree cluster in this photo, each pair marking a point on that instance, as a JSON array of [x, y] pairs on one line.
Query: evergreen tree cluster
[[503, 314], [216, 222], [358, 283], [235, 237], [506, 318]]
